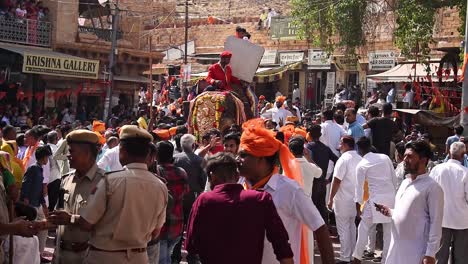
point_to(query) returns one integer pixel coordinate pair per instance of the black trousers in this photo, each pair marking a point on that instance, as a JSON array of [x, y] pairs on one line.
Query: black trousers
[[458, 240], [319, 193], [53, 190]]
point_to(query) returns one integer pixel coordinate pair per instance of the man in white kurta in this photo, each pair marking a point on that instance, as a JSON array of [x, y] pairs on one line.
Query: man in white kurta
[[331, 132], [377, 170], [342, 197], [452, 176], [418, 213]]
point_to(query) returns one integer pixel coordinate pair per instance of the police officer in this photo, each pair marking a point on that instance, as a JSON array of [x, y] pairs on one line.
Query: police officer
[[128, 208], [77, 185]]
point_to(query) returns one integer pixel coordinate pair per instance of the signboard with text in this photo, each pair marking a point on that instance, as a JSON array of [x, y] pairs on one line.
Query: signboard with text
[[269, 57], [381, 60], [330, 88], [283, 28], [291, 57], [318, 60], [60, 66], [345, 63]]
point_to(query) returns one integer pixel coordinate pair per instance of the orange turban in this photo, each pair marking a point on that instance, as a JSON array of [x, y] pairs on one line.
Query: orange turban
[[172, 107], [99, 126], [172, 131], [163, 133], [288, 131], [280, 99], [260, 142], [301, 132]]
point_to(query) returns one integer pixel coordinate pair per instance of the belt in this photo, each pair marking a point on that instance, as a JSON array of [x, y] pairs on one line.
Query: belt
[[74, 246], [135, 250]]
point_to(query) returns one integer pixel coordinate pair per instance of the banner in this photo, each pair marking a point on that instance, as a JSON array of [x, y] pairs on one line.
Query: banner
[[60, 66], [381, 60]]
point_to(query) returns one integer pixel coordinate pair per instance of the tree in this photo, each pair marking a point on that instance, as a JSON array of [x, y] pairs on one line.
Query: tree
[[345, 23]]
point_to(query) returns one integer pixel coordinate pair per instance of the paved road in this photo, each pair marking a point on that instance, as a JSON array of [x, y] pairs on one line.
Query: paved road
[[336, 246]]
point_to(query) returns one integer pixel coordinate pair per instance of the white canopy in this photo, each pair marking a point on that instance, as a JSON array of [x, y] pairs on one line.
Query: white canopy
[[401, 72]]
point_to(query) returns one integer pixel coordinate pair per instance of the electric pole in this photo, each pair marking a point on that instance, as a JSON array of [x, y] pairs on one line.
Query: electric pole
[[112, 62], [463, 113], [186, 31]]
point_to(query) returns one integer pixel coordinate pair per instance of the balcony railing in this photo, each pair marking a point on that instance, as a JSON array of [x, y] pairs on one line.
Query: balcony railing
[[26, 31], [104, 34]]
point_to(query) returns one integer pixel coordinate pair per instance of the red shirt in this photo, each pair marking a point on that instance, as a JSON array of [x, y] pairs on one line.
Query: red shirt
[[177, 185], [228, 225], [216, 73]]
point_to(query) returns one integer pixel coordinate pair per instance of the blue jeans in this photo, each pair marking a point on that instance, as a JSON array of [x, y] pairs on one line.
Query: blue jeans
[[165, 250], [153, 253]]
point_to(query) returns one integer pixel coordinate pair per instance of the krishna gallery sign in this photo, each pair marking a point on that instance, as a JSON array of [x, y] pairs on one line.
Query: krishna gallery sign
[[61, 66]]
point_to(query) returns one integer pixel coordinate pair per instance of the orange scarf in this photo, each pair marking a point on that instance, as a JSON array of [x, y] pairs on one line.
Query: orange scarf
[[29, 152]]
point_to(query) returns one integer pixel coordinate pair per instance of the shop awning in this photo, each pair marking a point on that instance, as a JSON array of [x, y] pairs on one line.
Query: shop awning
[[46, 61], [134, 79], [275, 74], [405, 73]]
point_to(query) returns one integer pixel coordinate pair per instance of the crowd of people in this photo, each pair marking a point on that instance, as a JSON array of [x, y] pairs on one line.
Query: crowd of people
[[141, 192], [19, 10]]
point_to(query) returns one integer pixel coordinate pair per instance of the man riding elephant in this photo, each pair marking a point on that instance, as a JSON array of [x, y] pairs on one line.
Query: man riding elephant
[[220, 74]]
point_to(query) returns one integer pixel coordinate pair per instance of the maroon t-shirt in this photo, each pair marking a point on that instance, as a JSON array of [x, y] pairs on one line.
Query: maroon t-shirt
[[228, 225]]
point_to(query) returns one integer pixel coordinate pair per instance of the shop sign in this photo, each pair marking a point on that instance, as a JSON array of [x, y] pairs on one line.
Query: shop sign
[[60, 66], [283, 28], [330, 88], [269, 57], [291, 57], [345, 63], [319, 60], [381, 60]]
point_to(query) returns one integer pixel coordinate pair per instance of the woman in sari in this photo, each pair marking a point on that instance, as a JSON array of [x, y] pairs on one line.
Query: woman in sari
[[17, 168]]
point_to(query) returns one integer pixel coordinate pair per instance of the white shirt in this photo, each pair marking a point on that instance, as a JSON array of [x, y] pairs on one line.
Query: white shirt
[[54, 167], [309, 172], [296, 94], [417, 221], [453, 178], [378, 170], [331, 135], [279, 114], [345, 170], [110, 161], [295, 209]]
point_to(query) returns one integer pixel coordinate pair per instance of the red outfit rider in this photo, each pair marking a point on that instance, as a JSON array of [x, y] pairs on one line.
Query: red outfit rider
[[220, 74]]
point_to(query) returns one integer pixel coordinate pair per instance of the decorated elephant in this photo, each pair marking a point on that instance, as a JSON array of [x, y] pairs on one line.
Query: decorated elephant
[[216, 109]]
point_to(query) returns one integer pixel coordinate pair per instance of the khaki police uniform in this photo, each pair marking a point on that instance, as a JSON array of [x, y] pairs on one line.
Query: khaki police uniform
[[74, 241], [125, 209]]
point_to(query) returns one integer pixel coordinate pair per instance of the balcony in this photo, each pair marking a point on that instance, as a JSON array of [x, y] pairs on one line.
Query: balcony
[[26, 31], [104, 34]]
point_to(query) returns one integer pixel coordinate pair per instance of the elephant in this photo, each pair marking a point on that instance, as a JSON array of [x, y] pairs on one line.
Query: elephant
[[216, 109]]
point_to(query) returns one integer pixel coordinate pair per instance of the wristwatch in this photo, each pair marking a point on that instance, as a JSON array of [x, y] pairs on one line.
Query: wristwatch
[[74, 218]]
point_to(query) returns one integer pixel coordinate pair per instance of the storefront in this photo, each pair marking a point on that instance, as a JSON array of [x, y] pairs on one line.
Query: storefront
[[47, 81], [320, 79]]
